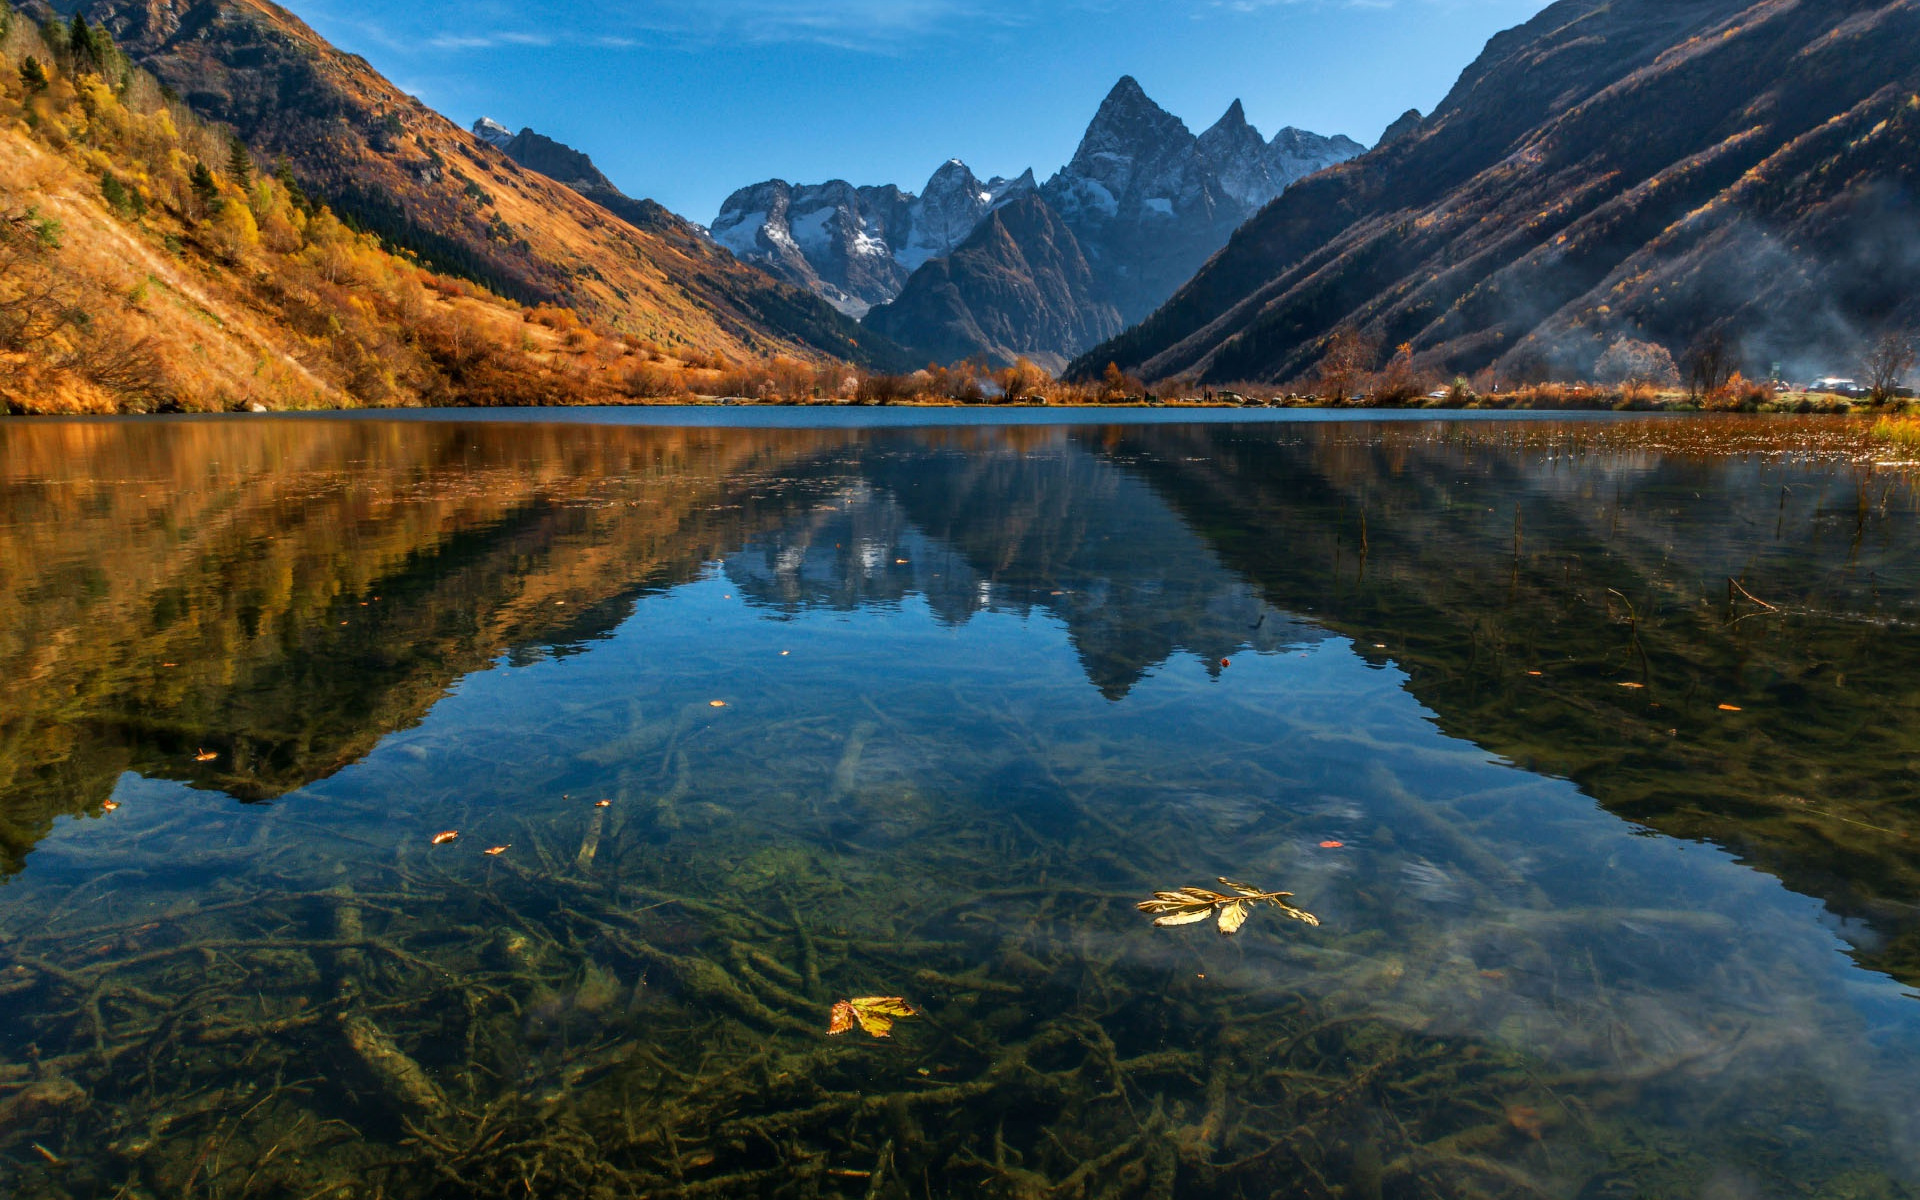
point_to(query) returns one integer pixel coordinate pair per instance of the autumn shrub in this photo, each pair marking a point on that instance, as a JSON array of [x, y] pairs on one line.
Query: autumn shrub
[[877, 388], [1739, 394], [650, 381]]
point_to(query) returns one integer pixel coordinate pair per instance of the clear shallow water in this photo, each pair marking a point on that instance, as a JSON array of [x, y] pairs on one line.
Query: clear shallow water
[[981, 689]]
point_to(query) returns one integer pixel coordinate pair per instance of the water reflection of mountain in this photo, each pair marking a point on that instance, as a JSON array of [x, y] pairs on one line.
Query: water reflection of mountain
[[280, 596], [285, 594], [1601, 558], [991, 523]]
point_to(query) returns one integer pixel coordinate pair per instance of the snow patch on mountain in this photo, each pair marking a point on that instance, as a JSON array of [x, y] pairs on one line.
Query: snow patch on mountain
[[492, 132]]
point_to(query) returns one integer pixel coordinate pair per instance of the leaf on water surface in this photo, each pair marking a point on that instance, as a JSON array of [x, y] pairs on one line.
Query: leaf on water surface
[[497, 851], [1731, 708], [716, 704], [441, 839], [1232, 917], [109, 805], [1192, 905], [603, 804], [875, 1014], [1638, 687], [206, 755], [1185, 918]]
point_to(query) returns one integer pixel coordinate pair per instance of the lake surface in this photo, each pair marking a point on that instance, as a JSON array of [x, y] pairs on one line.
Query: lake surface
[[1592, 745]]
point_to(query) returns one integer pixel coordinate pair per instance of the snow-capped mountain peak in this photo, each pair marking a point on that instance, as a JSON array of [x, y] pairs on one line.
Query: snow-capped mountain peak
[[492, 132]]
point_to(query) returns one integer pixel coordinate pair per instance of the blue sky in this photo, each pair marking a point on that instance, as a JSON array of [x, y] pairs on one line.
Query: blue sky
[[685, 100]]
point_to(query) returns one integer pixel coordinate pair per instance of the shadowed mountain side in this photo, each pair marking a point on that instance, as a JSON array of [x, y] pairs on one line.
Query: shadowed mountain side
[[1645, 168], [1593, 572], [1018, 521], [1018, 287], [285, 596], [394, 167]]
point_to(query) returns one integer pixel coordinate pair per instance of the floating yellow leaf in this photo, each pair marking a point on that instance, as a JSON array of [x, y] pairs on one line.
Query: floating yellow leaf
[[875, 1014], [1190, 906], [110, 805], [1730, 708], [206, 755], [603, 804], [716, 704], [497, 851], [1232, 917], [441, 839], [1638, 687]]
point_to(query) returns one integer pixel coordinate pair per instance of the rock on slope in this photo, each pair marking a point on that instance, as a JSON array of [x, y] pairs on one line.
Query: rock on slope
[[400, 170], [1662, 169], [1018, 287]]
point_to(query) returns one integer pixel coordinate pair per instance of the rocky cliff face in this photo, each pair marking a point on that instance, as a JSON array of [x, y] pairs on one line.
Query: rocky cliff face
[[1672, 170], [856, 246], [1019, 286], [1150, 202]]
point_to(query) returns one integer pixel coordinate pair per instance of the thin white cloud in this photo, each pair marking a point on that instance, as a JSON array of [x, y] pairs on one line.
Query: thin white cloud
[[869, 26]]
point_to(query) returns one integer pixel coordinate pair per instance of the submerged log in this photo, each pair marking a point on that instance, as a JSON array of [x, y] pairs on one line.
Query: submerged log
[[403, 1079]]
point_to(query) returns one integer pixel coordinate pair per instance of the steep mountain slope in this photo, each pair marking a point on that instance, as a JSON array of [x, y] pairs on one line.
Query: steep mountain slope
[[855, 246], [391, 166], [1018, 287], [134, 278], [563, 164], [1674, 170]]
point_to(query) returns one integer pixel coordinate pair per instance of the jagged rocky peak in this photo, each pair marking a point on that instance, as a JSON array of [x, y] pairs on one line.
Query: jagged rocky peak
[[1240, 158], [492, 132], [855, 246], [1130, 125], [950, 208]]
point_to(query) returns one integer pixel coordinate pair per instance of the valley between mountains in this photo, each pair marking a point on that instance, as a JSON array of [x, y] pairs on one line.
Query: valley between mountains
[[205, 205]]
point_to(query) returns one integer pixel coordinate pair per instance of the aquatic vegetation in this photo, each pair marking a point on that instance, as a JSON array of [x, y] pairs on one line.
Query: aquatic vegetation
[[1190, 906]]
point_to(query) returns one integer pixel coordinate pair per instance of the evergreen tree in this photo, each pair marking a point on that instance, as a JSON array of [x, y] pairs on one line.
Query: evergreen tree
[[82, 45], [283, 172], [239, 163], [205, 186], [33, 75]]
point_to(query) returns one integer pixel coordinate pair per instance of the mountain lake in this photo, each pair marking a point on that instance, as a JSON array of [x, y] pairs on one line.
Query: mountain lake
[[478, 805]]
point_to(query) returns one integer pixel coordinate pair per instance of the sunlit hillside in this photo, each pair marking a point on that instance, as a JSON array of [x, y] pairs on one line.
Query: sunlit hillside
[[148, 262]]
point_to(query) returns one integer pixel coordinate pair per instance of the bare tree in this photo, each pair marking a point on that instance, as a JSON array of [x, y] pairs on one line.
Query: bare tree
[[1709, 363], [1349, 359], [1888, 360]]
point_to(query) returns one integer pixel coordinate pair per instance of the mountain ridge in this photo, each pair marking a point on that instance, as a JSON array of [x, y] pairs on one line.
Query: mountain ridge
[[1144, 202], [1018, 287], [391, 166], [1689, 172]]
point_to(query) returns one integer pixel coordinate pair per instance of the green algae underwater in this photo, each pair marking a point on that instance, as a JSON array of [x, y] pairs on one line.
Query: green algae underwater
[[1591, 744]]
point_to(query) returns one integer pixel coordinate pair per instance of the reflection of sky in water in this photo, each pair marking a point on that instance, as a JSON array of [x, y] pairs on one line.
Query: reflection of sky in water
[[934, 660], [1505, 906]]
